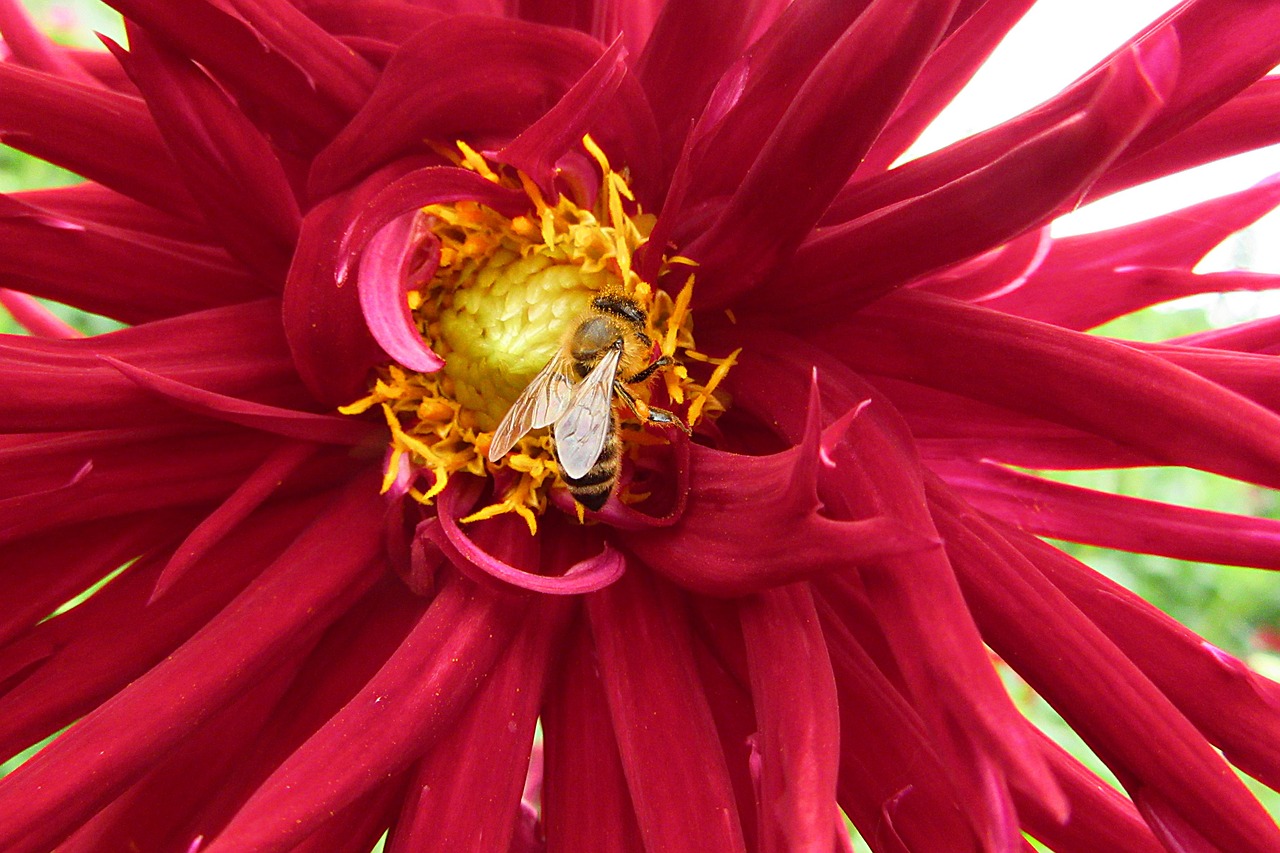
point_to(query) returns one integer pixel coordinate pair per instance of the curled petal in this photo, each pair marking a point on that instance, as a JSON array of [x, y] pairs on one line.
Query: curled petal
[[538, 147], [415, 190], [725, 543], [588, 575], [384, 281]]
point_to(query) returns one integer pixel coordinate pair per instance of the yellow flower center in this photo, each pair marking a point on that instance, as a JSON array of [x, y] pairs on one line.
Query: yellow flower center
[[506, 293]]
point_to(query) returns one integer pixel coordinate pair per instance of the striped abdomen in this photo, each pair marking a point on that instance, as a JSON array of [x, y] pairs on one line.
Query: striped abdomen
[[593, 488]]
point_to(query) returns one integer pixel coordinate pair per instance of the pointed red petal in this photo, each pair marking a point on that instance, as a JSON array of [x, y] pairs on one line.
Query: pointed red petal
[[406, 707], [795, 696], [1105, 698], [670, 751], [281, 612], [585, 802], [465, 792]]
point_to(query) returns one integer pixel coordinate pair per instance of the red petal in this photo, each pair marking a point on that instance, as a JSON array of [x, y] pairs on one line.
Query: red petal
[[1234, 706], [124, 274], [1248, 121], [290, 95], [998, 195], [670, 751], [944, 74], [230, 168], [235, 350], [692, 44], [27, 45], [1104, 697], [464, 75], [1075, 514], [1077, 380], [403, 709], [795, 696], [303, 426], [43, 572], [848, 97], [104, 136], [1089, 279], [585, 803], [248, 496], [465, 792], [38, 320], [282, 611]]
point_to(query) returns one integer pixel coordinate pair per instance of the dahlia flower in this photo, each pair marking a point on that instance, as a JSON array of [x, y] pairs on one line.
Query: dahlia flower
[[344, 235]]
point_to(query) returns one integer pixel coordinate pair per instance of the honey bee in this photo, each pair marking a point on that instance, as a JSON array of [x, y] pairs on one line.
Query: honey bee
[[603, 354]]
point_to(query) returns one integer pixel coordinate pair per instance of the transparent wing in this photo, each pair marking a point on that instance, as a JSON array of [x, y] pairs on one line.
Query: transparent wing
[[542, 402], [581, 432]]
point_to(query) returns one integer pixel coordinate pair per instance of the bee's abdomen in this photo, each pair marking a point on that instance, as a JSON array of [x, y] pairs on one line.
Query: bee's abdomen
[[593, 488]]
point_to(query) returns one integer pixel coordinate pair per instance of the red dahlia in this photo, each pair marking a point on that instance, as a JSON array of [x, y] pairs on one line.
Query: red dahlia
[[345, 237]]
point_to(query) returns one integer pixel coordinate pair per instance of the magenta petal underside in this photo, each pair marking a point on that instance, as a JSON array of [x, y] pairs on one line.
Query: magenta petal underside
[[383, 283], [583, 576]]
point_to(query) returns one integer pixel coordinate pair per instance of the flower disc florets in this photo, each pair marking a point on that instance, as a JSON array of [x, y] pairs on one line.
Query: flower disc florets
[[501, 297]]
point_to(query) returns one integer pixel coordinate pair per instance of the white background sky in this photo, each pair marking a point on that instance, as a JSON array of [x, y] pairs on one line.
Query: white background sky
[[1056, 42]]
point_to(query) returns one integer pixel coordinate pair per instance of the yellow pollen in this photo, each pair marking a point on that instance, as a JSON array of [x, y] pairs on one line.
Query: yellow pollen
[[504, 296]]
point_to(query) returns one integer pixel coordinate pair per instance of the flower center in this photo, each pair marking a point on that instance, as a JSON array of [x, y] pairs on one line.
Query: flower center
[[499, 306]]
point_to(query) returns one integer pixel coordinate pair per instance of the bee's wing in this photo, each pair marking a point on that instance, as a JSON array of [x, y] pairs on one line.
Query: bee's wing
[[581, 432], [541, 403]]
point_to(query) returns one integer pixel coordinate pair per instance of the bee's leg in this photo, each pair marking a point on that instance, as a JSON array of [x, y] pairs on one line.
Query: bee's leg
[[647, 413], [644, 375], [662, 416]]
